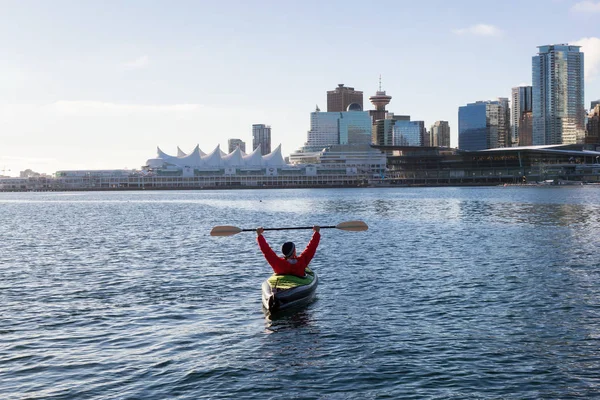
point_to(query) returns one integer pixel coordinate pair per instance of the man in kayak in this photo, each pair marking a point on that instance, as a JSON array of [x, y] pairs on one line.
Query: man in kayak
[[289, 264]]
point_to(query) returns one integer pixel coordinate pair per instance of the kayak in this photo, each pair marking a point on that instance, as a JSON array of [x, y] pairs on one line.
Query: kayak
[[281, 292]]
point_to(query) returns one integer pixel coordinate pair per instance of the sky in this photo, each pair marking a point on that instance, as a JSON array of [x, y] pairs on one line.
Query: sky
[[100, 84]]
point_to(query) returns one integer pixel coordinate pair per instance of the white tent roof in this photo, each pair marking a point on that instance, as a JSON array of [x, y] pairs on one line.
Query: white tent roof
[[233, 159], [218, 159], [254, 159], [213, 159], [191, 160], [274, 158]]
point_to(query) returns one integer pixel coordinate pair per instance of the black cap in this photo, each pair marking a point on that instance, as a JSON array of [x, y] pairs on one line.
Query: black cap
[[288, 249]]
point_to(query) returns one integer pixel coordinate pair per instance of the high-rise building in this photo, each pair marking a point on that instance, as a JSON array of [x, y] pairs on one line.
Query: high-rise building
[[234, 143], [408, 133], [593, 125], [261, 136], [504, 137], [521, 102], [383, 129], [594, 104], [558, 95], [526, 129], [440, 134], [331, 128], [342, 97], [483, 125]]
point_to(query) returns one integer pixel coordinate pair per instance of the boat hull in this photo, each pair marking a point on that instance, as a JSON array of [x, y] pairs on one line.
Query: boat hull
[[282, 292]]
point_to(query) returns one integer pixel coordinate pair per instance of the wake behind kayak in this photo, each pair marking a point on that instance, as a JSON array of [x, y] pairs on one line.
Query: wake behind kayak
[[282, 292]]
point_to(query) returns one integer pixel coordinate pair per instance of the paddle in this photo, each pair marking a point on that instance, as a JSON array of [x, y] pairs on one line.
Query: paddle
[[227, 230]]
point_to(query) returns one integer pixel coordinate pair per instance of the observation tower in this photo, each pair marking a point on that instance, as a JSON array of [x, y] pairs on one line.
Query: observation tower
[[380, 100]]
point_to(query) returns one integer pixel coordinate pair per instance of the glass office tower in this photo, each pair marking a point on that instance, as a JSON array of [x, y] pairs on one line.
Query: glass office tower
[[331, 128], [408, 133], [480, 125], [355, 127], [558, 95]]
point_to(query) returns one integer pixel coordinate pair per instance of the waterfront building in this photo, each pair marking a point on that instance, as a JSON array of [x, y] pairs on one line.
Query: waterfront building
[[233, 143], [343, 159], [440, 134], [521, 103], [408, 133], [558, 95], [483, 125], [261, 137], [339, 99], [559, 164]]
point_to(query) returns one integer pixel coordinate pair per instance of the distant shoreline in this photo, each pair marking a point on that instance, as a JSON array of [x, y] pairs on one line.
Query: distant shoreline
[[212, 188]]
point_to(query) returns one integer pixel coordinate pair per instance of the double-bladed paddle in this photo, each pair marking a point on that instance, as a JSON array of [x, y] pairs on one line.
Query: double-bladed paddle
[[227, 230]]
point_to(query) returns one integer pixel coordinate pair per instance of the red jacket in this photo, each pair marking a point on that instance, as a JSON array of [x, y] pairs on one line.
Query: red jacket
[[291, 266]]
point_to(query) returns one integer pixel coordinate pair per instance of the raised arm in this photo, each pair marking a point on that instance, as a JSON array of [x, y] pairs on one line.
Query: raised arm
[[267, 251], [309, 252]]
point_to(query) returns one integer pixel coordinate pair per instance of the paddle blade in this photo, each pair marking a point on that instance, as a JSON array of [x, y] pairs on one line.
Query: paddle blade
[[225, 230], [354, 226]]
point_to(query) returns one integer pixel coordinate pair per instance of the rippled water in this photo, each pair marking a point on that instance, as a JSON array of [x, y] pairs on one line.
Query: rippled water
[[452, 293]]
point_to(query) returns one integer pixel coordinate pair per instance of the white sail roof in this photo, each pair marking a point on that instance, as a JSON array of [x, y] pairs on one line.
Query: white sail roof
[[213, 159], [191, 160], [254, 159], [218, 159], [274, 158], [233, 159], [164, 156]]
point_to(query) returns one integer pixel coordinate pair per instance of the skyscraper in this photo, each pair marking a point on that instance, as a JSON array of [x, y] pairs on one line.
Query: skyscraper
[[331, 128], [593, 125], [558, 95], [440, 134], [521, 103], [408, 133], [483, 125], [341, 97], [233, 143], [261, 136], [526, 129], [504, 139]]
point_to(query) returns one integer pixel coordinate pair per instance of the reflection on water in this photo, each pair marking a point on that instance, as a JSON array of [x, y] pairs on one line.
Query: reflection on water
[[576, 215], [451, 293], [287, 319]]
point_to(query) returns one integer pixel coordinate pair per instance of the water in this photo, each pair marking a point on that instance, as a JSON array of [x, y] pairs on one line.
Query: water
[[452, 293]]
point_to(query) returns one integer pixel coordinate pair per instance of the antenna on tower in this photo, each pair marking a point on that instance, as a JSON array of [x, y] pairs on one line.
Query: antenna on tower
[[380, 82]]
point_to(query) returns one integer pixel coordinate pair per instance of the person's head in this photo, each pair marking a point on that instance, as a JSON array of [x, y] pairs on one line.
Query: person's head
[[288, 249]]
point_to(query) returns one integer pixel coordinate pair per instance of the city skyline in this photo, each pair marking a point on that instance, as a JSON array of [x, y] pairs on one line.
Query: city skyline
[[85, 88]]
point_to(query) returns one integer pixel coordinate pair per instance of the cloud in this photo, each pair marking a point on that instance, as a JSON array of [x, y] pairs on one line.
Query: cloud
[[591, 49], [586, 7], [138, 63], [479, 30]]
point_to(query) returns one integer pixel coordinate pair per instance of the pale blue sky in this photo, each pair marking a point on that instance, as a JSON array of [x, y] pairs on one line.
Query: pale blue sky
[[99, 84]]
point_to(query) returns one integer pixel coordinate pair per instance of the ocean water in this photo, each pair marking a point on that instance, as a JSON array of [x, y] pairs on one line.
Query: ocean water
[[463, 293]]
